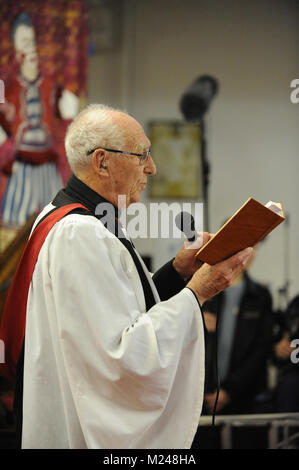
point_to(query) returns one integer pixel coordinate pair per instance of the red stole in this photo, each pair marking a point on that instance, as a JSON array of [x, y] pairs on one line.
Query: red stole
[[12, 329]]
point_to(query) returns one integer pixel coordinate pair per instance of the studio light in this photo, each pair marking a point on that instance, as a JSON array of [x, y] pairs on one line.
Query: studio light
[[197, 98]]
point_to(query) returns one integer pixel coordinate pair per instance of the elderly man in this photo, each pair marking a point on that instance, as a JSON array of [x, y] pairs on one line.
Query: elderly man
[[113, 357]]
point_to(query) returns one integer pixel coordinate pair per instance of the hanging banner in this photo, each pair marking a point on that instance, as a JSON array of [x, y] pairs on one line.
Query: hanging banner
[[43, 68]]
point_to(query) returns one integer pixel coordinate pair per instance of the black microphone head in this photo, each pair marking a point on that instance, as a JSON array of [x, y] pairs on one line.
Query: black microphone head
[[185, 222]]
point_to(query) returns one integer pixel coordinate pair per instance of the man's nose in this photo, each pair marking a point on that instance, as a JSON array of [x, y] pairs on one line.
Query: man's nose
[[150, 167]]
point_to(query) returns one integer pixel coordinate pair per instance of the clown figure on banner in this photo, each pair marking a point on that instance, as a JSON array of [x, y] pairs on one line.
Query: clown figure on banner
[[28, 153]]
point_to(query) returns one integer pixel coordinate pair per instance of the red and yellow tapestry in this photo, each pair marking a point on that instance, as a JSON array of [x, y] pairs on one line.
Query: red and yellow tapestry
[[43, 64]]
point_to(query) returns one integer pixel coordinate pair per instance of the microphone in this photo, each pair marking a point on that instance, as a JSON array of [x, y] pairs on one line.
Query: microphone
[[185, 222]]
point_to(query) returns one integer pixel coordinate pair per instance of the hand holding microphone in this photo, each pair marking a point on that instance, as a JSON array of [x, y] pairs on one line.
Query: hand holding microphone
[[186, 263]]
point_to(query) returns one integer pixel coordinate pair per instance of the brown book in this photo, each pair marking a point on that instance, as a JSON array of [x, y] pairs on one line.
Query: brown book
[[250, 224]]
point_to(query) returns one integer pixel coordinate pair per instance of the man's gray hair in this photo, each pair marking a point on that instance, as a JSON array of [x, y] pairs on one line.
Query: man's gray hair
[[93, 127]]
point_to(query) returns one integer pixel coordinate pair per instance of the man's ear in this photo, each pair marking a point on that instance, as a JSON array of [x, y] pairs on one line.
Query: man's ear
[[99, 162]]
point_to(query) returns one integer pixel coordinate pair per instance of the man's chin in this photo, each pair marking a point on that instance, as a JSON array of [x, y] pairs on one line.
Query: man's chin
[[134, 198]]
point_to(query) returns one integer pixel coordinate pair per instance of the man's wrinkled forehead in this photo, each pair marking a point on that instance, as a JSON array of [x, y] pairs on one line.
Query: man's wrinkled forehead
[[133, 132], [143, 145]]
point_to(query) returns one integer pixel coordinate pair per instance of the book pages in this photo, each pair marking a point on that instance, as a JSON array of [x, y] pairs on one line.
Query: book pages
[[275, 207]]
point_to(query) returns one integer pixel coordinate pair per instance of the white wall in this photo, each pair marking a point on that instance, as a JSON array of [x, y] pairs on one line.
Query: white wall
[[252, 127]]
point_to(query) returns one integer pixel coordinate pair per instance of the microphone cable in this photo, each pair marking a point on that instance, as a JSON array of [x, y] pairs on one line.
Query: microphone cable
[[216, 372], [216, 368]]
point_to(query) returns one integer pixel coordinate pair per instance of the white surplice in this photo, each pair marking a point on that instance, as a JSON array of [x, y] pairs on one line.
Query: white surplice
[[99, 372]]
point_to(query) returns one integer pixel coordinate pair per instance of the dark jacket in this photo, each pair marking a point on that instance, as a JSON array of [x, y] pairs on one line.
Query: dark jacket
[[247, 374], [289, 325]]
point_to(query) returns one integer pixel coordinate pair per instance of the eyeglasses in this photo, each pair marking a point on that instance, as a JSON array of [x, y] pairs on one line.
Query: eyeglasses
[[142, 156]]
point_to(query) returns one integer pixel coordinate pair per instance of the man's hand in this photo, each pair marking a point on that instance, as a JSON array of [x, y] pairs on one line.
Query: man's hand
[[210, 321], [185, 262], [283, 348], [210, 280], [223, 400]]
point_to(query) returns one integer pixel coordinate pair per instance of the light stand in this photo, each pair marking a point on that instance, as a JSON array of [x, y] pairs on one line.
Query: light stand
[[283, 292], [194, 104]]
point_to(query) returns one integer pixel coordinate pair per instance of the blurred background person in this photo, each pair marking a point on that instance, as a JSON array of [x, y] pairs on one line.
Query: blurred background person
[[244, 340], [286, 395]]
